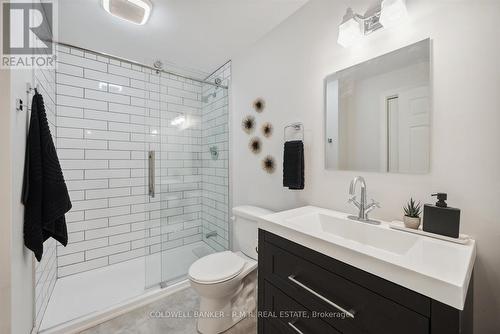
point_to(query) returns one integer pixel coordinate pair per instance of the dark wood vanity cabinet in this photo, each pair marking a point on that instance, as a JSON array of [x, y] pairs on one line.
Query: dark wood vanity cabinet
[[304, 292]]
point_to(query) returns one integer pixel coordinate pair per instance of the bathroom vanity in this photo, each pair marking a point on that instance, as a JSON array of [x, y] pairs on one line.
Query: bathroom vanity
[[320, 272]]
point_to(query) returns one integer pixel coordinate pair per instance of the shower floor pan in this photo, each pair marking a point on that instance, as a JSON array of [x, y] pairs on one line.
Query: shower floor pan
[[86, 299]]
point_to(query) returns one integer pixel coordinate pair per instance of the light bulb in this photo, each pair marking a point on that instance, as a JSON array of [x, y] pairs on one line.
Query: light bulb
[[349, 32], [393, 12]]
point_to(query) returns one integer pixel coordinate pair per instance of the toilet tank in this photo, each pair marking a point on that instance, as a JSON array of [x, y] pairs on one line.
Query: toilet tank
[[245, 230]]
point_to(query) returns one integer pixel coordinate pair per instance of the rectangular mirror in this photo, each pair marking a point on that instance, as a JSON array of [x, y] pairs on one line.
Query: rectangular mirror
[[378, 113]]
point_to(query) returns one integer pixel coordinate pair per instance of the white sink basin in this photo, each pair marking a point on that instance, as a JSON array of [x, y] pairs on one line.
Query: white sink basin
[[435, 268], [362, 233]]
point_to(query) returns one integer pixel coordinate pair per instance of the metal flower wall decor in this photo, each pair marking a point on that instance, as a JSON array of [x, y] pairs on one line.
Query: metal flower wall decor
[[255, 145], [267, 129], [268, 164], [259, 104], [248, 124]]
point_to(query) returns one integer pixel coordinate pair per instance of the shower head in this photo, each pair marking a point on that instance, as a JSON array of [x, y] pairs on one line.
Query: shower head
[[205, 98], [218, 83]]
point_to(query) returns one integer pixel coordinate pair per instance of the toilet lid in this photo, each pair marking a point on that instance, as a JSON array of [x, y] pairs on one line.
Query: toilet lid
[[216, 267]]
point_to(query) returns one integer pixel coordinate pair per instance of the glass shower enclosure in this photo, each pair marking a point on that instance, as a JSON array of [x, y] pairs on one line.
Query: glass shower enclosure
[[145, 158]]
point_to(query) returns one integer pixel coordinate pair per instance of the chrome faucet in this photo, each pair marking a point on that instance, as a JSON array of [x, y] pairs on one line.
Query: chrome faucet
[[363, 207]]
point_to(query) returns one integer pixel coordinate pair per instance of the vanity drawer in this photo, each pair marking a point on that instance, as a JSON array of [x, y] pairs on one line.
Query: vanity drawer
[[320, 289], [400, 295], [288, 316]]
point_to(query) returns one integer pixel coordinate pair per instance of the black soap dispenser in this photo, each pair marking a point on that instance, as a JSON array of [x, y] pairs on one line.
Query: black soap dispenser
[[440, 218]]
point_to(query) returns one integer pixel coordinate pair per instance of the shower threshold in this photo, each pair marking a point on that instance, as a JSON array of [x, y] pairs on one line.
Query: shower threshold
[[86, 299]]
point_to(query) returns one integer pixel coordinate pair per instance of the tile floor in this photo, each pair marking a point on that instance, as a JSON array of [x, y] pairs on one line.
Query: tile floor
[[140, 321]]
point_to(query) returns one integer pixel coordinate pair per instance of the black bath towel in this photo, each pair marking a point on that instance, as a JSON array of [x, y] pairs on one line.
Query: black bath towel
[[45, 195], [293, 165]]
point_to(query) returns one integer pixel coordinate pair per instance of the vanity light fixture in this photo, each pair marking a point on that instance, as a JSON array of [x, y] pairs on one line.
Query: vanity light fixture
[[135, 11], [354, 26]]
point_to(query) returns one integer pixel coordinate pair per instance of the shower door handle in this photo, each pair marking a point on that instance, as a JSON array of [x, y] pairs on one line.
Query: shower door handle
[[151, 176]]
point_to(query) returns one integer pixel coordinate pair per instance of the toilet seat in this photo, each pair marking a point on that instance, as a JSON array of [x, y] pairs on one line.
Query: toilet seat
[[216, 268]]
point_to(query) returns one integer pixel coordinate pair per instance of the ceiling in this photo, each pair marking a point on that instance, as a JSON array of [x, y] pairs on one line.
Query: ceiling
[[191, 34]]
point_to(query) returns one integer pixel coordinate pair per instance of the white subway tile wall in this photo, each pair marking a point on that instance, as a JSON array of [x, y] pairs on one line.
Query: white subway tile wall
[[46, 269], [109, 115], [215, 172]]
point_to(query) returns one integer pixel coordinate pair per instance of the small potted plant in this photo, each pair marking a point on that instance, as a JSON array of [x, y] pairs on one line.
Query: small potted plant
[[412, 214]]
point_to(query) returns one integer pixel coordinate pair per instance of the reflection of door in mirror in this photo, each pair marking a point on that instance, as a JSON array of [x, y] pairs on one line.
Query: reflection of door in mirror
[[377, 113], [392, 154], [414, 121], [408, 131]]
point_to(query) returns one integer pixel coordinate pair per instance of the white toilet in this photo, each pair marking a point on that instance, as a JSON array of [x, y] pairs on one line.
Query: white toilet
[[227, 281]]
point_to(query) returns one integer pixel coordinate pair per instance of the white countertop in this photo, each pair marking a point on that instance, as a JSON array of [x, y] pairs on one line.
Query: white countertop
[[434, 268]]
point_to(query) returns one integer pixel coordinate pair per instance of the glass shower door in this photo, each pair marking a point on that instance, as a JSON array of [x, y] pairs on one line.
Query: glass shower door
[[153, 181], [191, 178], [181, 177]]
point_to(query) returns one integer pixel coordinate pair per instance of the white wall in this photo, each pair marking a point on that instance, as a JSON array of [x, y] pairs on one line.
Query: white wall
[[287, 68], [16, 276], [21, 257], [5, 202]]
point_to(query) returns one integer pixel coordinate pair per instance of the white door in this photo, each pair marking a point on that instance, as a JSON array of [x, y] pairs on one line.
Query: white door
[[414, 130]]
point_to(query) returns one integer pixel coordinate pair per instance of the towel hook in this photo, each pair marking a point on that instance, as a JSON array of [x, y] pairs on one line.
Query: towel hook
[[30, 89], [298, 126], [20, 105]]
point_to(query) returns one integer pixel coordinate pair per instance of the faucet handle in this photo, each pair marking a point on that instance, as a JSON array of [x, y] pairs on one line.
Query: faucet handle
[[370, 207], [354, 201]]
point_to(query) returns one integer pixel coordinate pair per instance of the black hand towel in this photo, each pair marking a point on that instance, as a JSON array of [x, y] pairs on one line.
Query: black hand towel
[[45, 196], [293, 165]]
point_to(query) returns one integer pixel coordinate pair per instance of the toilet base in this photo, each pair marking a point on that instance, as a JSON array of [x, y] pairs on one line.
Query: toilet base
[[217, 315]]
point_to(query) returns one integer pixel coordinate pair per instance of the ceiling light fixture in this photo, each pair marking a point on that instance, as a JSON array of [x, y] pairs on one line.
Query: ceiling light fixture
[[135, 11], [354, 26]]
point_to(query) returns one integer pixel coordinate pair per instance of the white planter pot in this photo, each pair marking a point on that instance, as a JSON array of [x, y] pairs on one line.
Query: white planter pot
[[411, 222]]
